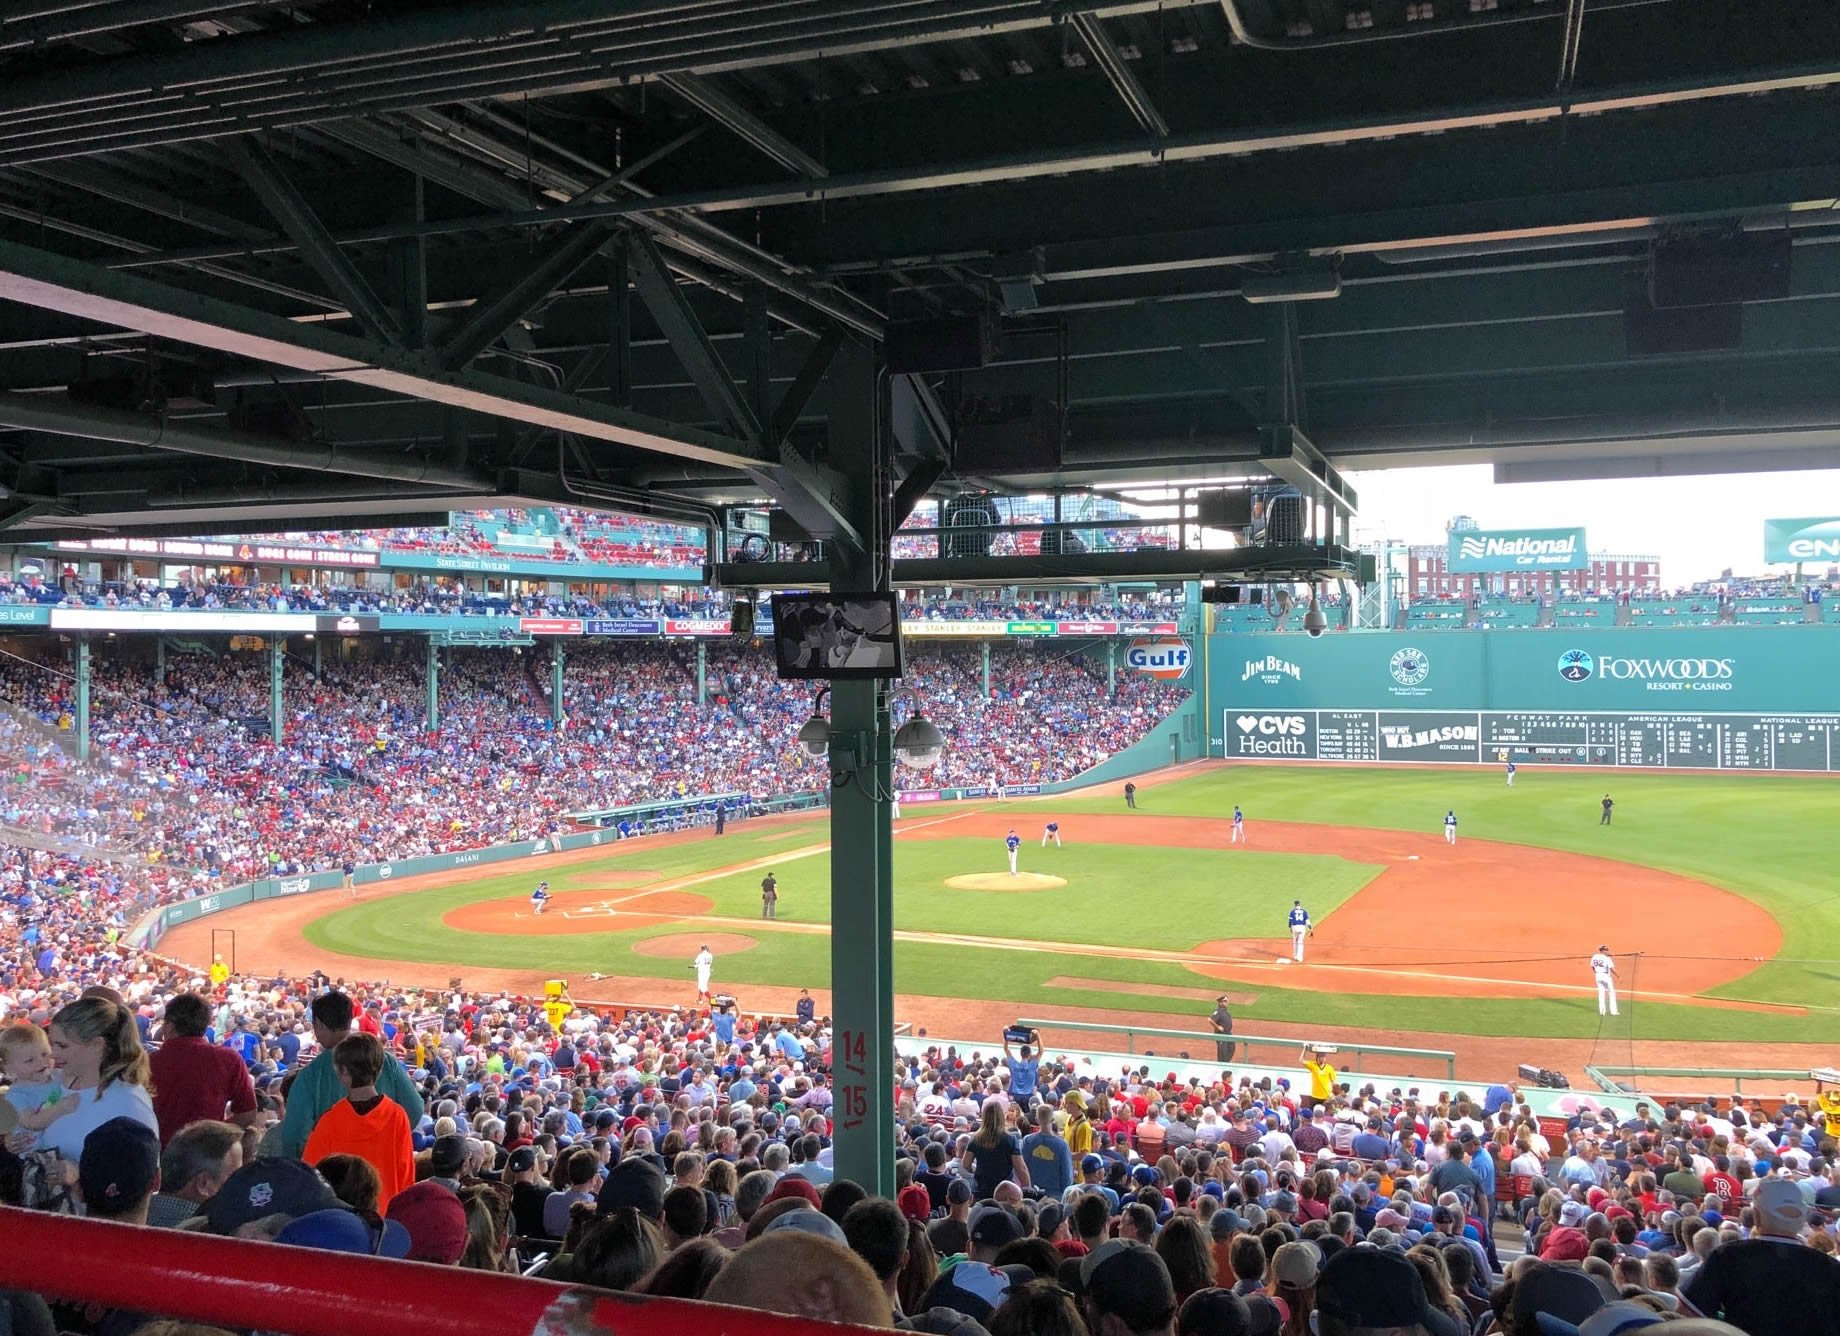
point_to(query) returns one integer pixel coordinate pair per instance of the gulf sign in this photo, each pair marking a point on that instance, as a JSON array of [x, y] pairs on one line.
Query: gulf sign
[[1166, 658]]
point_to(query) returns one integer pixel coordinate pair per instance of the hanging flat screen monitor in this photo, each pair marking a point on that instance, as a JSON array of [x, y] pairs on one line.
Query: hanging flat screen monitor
[[828, 637]]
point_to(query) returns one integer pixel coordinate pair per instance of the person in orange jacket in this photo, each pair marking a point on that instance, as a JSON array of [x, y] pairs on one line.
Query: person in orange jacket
[[365, 1123]]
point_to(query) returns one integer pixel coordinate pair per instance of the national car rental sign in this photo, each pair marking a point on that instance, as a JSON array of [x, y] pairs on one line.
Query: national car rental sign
[[1518, 550]]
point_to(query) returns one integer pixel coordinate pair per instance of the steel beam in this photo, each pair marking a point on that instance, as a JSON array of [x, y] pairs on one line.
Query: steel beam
[[1129, 90], [126, 301], [1290, 455], [298, 219], [743, 124], [105, 183], [1302, 562], [810, 375], [489, 317], [666, 301]]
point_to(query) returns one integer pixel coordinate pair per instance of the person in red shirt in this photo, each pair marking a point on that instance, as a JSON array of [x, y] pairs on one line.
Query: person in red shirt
[[365, 1123], [194, 1079], [1721, 1184]]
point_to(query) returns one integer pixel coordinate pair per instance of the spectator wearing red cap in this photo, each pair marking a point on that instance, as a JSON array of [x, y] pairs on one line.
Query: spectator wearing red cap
[[435, 1221]]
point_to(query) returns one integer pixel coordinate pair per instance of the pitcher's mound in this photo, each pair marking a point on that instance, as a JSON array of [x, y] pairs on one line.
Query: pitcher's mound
[[687, 944], [1002, 881]]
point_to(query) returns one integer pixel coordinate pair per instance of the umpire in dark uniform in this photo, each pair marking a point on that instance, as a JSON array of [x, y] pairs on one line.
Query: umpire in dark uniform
[[1222, 1021]]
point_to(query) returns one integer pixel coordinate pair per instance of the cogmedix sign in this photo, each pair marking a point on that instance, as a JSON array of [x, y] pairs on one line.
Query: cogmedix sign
[[1815, 539], [1518, 550]]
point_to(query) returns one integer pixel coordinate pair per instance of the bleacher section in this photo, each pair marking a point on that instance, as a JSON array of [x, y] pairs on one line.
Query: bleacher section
[[1436, 617], [1236, 617], [1770, 612], [1502, 614], [1676, 612], [1584, 612]]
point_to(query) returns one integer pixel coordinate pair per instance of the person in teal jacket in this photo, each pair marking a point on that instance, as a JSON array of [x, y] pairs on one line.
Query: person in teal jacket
[[318, 1088]]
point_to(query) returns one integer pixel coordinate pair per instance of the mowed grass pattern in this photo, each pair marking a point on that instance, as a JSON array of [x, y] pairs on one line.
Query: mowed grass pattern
[[1762, 837]]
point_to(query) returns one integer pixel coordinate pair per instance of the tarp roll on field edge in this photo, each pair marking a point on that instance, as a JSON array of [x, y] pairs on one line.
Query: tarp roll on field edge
[[1754, 697]]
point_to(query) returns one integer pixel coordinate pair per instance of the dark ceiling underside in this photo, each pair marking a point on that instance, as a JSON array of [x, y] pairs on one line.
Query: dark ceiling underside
[[277, 265]]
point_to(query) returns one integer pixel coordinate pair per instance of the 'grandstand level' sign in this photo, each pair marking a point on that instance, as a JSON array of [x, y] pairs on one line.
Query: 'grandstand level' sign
[[1518, 550]]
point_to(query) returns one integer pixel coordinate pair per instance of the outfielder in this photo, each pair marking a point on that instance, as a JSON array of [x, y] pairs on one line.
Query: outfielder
[[1450, 827], [703, 964], [1301, 927], [1603, 968], [1012, 842], [539, 898], [1239, 825], [1510, 774], [1052, 831]]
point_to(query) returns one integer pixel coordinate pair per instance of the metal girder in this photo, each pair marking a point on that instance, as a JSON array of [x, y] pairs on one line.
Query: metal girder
[[92, 422], [743, 124], [665, 300], [798, 394], [1289, 454], [127, 301], [1328, 561], [913, 489], [493, 314], [297, 218], [1129, 90], [811, 494], [106, 183]]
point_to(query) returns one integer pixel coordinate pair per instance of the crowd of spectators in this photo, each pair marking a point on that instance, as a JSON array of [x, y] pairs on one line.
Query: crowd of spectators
[[186, 778], [687, 1153]]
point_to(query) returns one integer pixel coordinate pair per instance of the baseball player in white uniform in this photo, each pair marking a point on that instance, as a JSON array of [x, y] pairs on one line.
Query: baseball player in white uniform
[[1301, 928], [1239, 825], [1450, 827], [703, 963], [1012, 842], [1603, 968]]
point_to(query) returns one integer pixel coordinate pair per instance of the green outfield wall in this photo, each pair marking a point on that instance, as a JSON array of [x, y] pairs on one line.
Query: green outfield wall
[[1753, 697]]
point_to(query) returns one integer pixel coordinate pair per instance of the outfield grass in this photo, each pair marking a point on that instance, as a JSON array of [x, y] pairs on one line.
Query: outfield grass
[[1762, 837]]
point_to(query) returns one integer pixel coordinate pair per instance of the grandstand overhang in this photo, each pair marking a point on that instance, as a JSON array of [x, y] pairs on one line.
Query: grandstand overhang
[[1246, 564]]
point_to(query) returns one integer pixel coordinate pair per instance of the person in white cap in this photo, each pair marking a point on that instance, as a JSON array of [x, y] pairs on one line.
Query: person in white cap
[[1603, 969]]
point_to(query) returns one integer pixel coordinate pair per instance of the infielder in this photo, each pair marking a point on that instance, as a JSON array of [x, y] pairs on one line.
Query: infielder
[[1239, 825], [1510, 774], [1301, 927], [1450, 827], [1603, 969], [539, 898], [703, 964], [1012, 842], [1052, 831]]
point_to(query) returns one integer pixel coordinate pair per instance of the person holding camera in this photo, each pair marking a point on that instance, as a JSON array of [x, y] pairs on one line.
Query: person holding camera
[[1023, 1072]]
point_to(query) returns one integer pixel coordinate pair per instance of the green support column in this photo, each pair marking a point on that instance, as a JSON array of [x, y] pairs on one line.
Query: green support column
[[159, 659], [702, 673], [555, 688], [275, 721], [986, 679], [434, 686], [862, 889], [82, 699], [1111, 670], [319, 668]]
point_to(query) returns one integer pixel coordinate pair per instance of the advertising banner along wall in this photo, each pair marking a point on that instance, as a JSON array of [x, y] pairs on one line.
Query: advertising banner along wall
[[1518, 550], [1816, 539]]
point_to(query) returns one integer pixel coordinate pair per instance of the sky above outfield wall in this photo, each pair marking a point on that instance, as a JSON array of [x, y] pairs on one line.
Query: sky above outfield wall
[[1699, 527]]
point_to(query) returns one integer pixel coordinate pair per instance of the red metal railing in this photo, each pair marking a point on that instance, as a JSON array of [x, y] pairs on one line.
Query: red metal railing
[[301, 1292]]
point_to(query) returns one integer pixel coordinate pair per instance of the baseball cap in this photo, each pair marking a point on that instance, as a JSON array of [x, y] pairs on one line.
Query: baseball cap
[[119, 1168], [805, 1220], [1778, 1205], [269, 1185], [435, 1220], [1049, 1218], [1285, 1203], [992, 1227], [1091, 1164], [1574, 1214], [1617, 1317], [1130, 1281], [1368, 1287], [1555, 1292], [975, 1289], [915, 1203], [958, 1192], [340, 1230], [449, 1155], [1213, 1312], [522, 1160], [1296, 1264], [1226, 1222], [636, 1183]]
